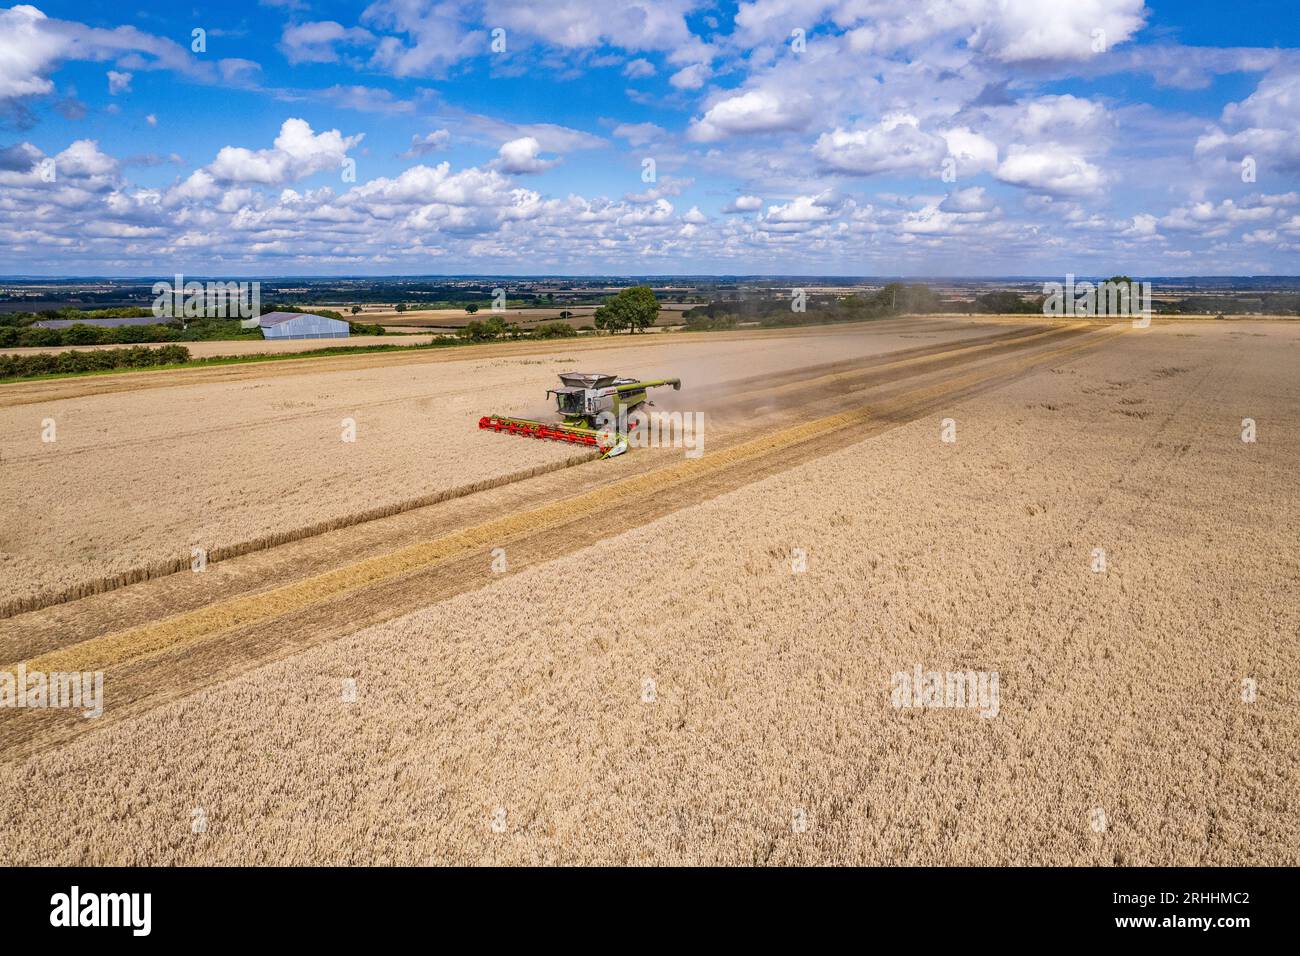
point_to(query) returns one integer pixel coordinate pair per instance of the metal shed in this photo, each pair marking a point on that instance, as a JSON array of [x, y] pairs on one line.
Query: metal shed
[[302, 325]]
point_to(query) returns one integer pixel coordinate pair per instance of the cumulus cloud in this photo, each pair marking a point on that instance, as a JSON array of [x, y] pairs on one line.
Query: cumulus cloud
[[118, 82], [522, 156], [743, 204], [1261, 127], [639, 69], [297, 153], [973, 152], [755, 111], [895, 144], [1051, 169], [802, 213], [1015, 31], [27, 52]]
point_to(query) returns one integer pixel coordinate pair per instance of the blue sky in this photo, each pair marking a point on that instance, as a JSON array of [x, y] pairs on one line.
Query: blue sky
[[911, 137]]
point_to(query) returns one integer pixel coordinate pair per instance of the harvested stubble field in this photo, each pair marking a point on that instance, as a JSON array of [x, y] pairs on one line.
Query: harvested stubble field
[[234, 459], [670, 313], [516, 703], [249, 346]]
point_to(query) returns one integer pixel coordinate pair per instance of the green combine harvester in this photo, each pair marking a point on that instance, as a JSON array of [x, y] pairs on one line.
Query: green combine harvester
[[585, 400]]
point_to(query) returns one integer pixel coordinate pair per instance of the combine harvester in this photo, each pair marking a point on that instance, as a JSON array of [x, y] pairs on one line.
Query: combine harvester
[[586, 400]]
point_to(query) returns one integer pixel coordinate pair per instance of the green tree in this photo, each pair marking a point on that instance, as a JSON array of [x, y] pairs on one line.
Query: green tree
[[356, 310], [633, 309], [401, 307], [472, 308]]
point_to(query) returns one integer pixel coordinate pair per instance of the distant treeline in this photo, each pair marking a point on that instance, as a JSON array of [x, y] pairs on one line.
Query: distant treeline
[[495, 328], [894, 299], [902, 299], [1267, 303]]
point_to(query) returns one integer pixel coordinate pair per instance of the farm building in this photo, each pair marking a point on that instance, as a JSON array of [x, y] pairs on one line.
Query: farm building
[[302, 325]]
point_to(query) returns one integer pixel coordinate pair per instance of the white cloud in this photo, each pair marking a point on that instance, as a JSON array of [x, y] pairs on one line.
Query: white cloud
[[1015, 31], [895, 144], [639, 69], [972, 199], [83, 159], [296, 154], [521, 156], [1008, 31], [1051, 169], [691, 77], [118, 82], [1054, 117], [429, 143], [973, 152], [436, 38], [27, 52], [757, 111], [634, 25], [1262, 127], [315, 42], [665, 186], [743, 204], [802, 213], [32, 45]]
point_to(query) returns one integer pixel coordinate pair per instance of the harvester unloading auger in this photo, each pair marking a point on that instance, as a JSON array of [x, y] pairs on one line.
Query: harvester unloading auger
[[594, 409]]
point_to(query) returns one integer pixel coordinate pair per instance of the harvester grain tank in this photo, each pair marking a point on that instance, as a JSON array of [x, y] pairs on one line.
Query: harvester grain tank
[[589, 403]]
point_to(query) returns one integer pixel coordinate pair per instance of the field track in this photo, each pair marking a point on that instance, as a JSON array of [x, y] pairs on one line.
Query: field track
[[160, 640]]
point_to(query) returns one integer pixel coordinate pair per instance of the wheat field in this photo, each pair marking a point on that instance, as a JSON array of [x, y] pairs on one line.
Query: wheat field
[[136, 479], [716, 687]]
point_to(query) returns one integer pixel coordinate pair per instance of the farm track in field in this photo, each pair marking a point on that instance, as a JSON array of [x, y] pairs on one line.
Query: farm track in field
[[161, 640]]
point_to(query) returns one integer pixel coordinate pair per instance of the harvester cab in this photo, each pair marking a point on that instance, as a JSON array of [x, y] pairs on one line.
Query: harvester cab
[[589, 403]]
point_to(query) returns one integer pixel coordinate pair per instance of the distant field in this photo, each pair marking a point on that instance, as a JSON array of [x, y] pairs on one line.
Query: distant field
[[669, 313]]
